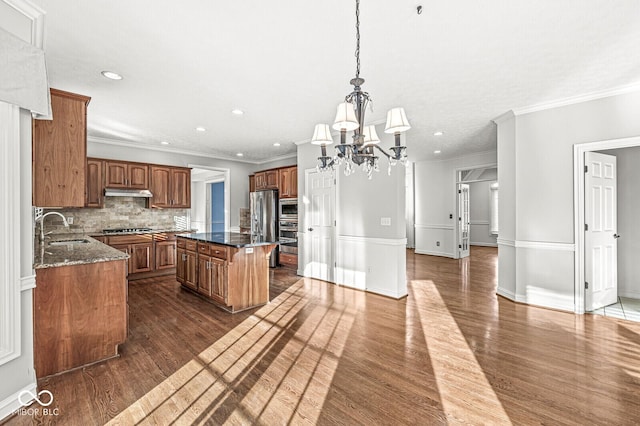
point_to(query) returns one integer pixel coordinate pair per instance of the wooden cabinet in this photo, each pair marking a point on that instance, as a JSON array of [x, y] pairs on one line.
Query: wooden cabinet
[[267, 179], [288, 182], [212, 271], [165, 254], [260, 181], [252, 183], [138, 247], [121, 174], [60, 152], [187, 267], [171, 187], [95, 183]]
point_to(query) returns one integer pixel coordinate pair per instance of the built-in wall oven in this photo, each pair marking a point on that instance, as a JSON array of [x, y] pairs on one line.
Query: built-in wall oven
[[289, 209], [288, 229]]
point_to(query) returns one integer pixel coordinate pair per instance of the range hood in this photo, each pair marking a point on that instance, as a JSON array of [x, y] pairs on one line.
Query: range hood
[[120, 192]]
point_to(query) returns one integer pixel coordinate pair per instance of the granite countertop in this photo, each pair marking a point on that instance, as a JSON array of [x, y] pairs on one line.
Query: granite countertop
[[93, 251], [232, 239], [153, 231]]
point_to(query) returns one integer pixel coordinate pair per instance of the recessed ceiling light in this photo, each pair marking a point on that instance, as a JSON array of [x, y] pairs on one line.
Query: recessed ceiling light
[[111, 75], [438, 133], [201, 129], [239, 154], [164, 143], [237, 111], [276, 144], [437, 151]]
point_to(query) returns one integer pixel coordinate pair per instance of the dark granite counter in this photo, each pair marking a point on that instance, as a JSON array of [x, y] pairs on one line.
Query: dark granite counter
[[232, 239], [72, 249]]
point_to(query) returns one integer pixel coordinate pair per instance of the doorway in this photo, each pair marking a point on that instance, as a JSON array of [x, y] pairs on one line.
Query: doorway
[[209, 186], [606, 266], [319, 225], [217, 206]]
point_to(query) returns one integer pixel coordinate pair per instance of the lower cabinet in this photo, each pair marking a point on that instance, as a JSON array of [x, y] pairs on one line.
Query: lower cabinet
[[165, 254], [149, 254], [212, 278], [186, 266]]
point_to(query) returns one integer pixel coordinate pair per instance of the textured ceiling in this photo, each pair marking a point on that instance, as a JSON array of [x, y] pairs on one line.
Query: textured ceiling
[[287, 63]]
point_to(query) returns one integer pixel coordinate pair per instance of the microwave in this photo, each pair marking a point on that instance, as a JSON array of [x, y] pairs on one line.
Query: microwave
[[289, 209]]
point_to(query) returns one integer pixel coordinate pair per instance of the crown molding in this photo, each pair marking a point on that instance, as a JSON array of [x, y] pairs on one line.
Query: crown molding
[[107, 141], [504, 117], [621, 90]]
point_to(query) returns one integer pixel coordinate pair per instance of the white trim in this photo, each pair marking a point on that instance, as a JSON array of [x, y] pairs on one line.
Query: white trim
[[370, 240], [460, 157], [10, 285], [435, 226], [11, 404], [435, 253], [227, 190], [544, 245], [546, 299], [505, 242], [506, 293], [479, 222], [234, 229], [578, 206], [36, 16], [629, 294], [106, 141], [504, 117], [27, 283], [621, 90], [483, 244]]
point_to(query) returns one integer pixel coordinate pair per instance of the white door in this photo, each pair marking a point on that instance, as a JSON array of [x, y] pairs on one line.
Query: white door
[[319, 225], [464, 220], [601, 227]]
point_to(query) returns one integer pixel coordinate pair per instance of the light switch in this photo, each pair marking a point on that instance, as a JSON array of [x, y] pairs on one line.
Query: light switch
[[385, 221]]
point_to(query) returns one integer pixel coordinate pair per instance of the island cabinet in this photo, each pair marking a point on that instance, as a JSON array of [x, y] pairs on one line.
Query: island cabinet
[[234, 276], [60, 152]]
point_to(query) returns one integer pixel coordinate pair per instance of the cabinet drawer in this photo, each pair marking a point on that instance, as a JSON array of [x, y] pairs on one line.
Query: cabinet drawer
[[187, 244], [164, 236], [130, 239], [288, 259], [213, 250]]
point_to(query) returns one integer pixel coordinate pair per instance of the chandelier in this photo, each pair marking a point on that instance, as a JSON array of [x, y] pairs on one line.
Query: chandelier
[[350, 117]]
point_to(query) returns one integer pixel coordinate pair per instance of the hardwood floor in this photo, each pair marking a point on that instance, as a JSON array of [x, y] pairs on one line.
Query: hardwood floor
[[452, 352]]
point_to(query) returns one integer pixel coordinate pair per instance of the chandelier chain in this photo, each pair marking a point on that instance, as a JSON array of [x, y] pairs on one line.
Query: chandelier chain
[[357, 38]]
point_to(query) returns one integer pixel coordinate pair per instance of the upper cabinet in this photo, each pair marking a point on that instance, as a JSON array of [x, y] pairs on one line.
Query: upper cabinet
[[171, 187], [267, 179], [95, 183], [120, 174], [60, 152], [289, 182]]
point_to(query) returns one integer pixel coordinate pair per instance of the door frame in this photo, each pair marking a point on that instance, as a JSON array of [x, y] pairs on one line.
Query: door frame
[[456, 207], [227, 193], [334, 234], [578, 208]]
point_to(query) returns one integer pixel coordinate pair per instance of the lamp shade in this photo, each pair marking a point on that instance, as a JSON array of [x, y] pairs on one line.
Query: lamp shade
[[322, 135], [396, 121], [346, 117], [370, 135]]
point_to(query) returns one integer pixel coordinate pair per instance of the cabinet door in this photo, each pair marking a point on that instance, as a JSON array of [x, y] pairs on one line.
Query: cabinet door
[[204, 275], [138, 176], [293, 182], [191, 269], [272, 178], [125, 248], [181, 263], [95, 183], [181, 188], [160, 178], [165, 254], [252, 183], [141, 257], [115, 174], [60, 153], [261, 180], [219, 280]]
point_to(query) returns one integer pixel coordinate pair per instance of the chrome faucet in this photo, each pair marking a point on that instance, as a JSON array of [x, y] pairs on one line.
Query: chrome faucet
[[64, 220]]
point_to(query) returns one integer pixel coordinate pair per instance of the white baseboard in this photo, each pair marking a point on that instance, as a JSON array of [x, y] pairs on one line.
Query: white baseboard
[[434, 253], [629, 294], [11, 404], [484, 244], [506, 293], [546, 299]]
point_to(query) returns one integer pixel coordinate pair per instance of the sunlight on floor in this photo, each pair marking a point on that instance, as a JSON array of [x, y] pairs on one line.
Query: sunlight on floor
[[441, 333], [275, 367]]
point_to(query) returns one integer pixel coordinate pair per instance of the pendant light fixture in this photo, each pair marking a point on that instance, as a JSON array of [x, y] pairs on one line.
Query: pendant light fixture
[[350, 117]]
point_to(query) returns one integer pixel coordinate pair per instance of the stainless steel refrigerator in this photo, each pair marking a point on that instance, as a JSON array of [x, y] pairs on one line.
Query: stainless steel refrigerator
[[264, 218]]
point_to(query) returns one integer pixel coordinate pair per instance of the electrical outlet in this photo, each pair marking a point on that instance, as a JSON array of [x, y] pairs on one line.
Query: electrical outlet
[[70, 220], [437, 243], [450, 215], [385, 221]]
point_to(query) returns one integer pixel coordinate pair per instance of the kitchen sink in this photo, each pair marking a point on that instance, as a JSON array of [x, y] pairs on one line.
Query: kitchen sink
[[68, 242]]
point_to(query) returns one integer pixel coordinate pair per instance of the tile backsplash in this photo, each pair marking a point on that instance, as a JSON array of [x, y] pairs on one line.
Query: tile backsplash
[[120, 212]]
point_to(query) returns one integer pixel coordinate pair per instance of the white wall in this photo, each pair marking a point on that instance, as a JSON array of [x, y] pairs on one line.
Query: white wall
[[435, 202], [628, 214], [198, 206], [480, 214], [238, 172], [536, 254], [371, 256]]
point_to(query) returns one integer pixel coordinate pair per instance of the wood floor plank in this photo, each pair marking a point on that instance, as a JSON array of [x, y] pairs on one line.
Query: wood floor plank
[[452, 352]]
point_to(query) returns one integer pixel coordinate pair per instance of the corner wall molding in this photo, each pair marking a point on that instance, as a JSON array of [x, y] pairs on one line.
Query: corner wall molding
[[432, 226], [540, 245], [27, 283], [379, 241]]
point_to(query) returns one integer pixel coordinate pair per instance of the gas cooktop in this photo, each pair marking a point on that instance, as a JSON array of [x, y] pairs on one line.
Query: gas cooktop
[[125, 230]]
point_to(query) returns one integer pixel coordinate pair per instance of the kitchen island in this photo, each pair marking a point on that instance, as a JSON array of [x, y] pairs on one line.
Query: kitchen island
[[227, 268], [80, 309]]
